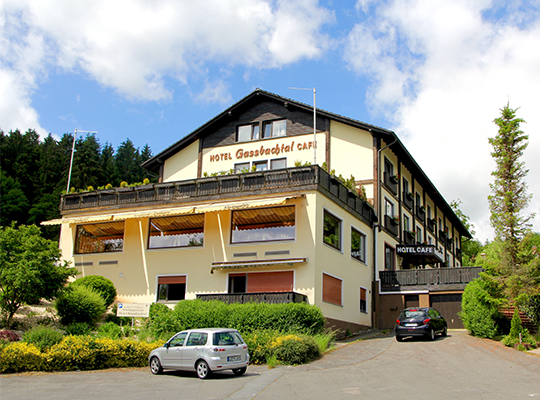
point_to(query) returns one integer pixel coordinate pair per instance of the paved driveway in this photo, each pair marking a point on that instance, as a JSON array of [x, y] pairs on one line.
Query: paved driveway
[[456, 367]]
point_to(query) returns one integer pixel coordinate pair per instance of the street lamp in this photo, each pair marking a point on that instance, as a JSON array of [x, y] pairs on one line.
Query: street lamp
[[314, 122]]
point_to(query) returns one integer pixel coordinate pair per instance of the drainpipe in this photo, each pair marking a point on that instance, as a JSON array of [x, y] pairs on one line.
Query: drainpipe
[[377, 227]]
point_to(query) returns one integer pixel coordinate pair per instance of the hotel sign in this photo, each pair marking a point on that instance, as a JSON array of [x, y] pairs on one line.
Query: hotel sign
[[428, 253], [279, 148], [133, 310]]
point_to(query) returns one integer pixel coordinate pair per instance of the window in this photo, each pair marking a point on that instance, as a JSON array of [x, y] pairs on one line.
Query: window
[[260, 165], [331, 289], [332, 230], [237, 283], [405, 186], [177, 231], [197, 339], [241, 167], [278, 163], [247, 132], [429, 212], [363, 300], [274, 128], [389, 208], [388, 167], [100, 238], [430, 240], [263, 224], [358, 245], [406, 222], [389, 258], [171, 288], [178, 340], [418, 200], [419, 235]]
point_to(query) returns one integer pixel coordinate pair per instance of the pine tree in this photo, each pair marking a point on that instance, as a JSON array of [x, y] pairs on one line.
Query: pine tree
[[509, 196]]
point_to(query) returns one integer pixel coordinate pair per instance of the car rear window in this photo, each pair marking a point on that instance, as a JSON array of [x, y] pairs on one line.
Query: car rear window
[[413, 313], [227, 338]]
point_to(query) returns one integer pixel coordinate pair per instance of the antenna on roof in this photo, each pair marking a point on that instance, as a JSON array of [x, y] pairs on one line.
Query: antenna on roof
[[72, 151], [314, 121]]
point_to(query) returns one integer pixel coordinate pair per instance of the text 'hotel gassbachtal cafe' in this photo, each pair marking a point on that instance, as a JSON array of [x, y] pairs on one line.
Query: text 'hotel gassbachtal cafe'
[[242, 213]]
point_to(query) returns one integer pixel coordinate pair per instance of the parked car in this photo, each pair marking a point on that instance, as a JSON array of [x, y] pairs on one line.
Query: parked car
[[420, 321], [202, 350]]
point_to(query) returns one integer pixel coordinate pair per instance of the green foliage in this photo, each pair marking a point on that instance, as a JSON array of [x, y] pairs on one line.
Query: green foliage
[[295, 349], [30, 269], [110, 330], [79, 303], [100, 284], [480, 307], [43, 337], [260, 344], [517, 330], [509, 196], [78, 329], [76, 353]]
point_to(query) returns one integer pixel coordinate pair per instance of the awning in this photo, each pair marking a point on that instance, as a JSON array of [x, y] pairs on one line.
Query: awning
[[420, 254], [222, 265], [121, 216], [243, 204]]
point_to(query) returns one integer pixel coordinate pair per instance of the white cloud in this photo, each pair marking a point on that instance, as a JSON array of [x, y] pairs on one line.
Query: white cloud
[[442, 71]]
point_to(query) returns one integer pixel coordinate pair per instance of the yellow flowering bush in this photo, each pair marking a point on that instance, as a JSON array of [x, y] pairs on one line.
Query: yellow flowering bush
[[20, 356], [76, 353]]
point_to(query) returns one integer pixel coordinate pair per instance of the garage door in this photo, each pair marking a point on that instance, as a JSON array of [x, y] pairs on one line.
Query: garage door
[[449, 305]]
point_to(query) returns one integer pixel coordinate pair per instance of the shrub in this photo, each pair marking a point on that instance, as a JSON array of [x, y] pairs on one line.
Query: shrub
[[43, 337], [516, 330], [79, 303], [78, 329], [9, 336], [260, 345], [295, 349], [100, 284], [110, 330], [480, 308], [19, 357]]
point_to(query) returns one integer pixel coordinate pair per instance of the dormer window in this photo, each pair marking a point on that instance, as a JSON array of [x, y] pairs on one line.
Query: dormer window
[[274, 128], [270, 129], [247, 132]]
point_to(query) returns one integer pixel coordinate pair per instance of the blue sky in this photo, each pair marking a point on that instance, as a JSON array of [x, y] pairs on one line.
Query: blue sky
[[435, 72]]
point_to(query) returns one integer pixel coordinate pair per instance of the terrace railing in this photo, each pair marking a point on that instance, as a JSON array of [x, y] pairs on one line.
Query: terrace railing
[[428, 278], [263, 297]]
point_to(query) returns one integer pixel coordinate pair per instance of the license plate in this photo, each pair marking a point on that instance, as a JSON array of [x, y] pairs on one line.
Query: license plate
[[410, 324], [233, 358]]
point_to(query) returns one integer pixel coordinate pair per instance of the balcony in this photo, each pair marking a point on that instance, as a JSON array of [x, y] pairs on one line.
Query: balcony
[[262, 297], [421, 213], [408, 237], [431, 224], [428, 279], [391, 224], [391, 182], [178, 193], [408, 200]]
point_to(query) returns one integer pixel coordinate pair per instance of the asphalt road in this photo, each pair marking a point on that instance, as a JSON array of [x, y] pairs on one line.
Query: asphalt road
[[456, 367]]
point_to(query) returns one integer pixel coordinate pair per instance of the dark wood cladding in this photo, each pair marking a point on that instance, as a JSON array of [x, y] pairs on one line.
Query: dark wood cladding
[[299, 122], [269, 298]]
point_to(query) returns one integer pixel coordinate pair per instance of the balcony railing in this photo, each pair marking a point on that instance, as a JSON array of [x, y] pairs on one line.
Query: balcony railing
[[438, 278], [263, 297], [220, 187]]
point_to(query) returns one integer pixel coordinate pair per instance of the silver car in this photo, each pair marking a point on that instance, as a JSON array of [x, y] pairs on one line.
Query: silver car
[[202, 350]]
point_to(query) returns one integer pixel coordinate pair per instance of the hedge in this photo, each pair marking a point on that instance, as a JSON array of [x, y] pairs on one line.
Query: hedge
[[76, 353], [191, 314]]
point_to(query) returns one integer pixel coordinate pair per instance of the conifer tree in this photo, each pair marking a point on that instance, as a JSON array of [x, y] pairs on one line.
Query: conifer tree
[[509, 197]]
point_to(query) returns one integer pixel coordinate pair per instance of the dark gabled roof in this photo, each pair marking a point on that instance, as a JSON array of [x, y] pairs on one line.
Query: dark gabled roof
[[258, 95]]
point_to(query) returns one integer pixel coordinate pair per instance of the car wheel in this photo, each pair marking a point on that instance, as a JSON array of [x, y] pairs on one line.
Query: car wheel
[[431, 334], [445, 332], [203, 370], [239, 371], [399, 338], [155, 366]]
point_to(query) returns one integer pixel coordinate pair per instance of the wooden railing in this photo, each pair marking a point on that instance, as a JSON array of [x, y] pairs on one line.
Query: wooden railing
[[427, 278], [266, 297], [219, 187]]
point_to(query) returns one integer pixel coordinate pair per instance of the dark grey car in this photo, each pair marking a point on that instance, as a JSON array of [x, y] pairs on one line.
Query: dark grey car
[[420, 321]]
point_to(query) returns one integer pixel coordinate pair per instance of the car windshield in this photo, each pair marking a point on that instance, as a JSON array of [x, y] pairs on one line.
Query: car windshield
[[227, 338], [413, 314]]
